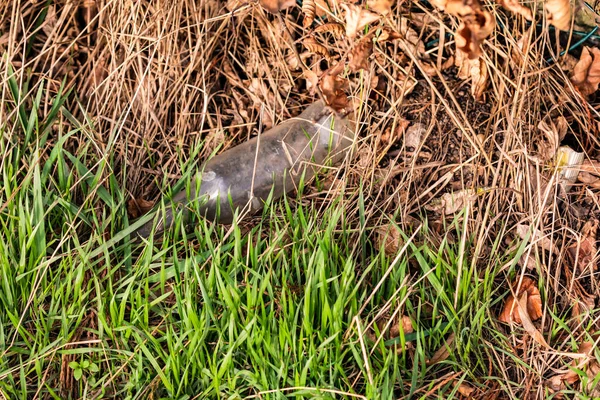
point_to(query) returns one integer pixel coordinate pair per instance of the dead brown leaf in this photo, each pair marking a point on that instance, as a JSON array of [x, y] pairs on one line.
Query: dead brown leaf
[[358, 58], [357, 18], [584, 251], [452, 202], [333, 88], [332, 27], [389, 136], [137, 207], [465, 389], [474, 69], [389, 237], [559, 13], [590, 173], [554, 131], [274, 6], [442, 353], [380, 6], [532, 306], [472, 32], [537, 237], [404, 324], [516, 7], [586, 74], [587, 363], [315, 47]]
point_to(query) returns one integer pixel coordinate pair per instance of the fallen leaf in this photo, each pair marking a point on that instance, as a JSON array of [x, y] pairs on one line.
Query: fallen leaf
[[590, 173], [387, 35], [532, 305], [472, 32], [414, 136], [587, 363], [380, 6], [333, 89], [274, 6], [474, 69], [586, 74], [537, 237], [389, 237], [559, 13], [404, 324], [443, 352], [332, 27], [137, 207], [476, 24], [358, 58], [452, 202], [315, 47], [308, 9], [388, 136], [584, 251], [554, 132], [525, 312], [465, 390], [357, 18], [516, 7]]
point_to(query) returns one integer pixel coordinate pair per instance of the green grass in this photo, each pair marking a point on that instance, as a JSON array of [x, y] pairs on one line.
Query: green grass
[[283, 309]]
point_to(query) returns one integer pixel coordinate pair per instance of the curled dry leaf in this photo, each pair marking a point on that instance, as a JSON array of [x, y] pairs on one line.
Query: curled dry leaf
[[516, 7], [387, 35], [476, 24], [359, 55], [472, 32], [137, 207], [380, 6], [554, 132], [357, 18], [389, 237], [533, 305], [404, 324], [452, 202], [274, 6], [590, 173], [333, 88], [588, 363], [584, 251], [537, 237], [312, 79], [474, 69], [465, 389], [315, 47], [443, 352], [308, 9], [586, 74], [332, 27], [559, 13]]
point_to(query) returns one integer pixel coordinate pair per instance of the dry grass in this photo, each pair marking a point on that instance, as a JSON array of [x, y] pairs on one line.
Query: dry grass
[[161, 85]]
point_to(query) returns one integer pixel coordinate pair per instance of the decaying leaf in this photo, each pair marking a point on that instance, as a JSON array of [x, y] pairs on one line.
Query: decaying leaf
[[387, 35], [358, 58], [584, 251], [333, 27], [532, 306], [537, 237], [389, 136], [590, 173], [516, 7], [380, 6], [452, 202], [586, 74], [443, 352], [137, 207], [333, 88], [554, 131], [414, 136], [588, 363], [404, 324], [308, 9], [274, 6], [465, 389], [476, 24], [559, 13], [472, 32], [357, 18], [315, 47], [474, 69], [312, 79], [389, 237]]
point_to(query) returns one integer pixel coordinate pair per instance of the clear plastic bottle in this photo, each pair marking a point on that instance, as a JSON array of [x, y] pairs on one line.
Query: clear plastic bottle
[[273, 162]]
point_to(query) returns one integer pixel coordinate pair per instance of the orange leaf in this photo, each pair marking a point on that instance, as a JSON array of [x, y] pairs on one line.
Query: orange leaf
[[516, 7], [586, 74], [332, 87], [559, 13], [380, 6], [137, 207], [274, 6], [359, 55], [357, 18], [533, 307]]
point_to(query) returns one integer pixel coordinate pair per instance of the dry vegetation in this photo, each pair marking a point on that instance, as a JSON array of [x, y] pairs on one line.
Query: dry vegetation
[[462, 133]]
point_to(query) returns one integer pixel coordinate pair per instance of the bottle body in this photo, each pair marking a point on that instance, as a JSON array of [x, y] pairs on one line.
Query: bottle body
[[244, 176]]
